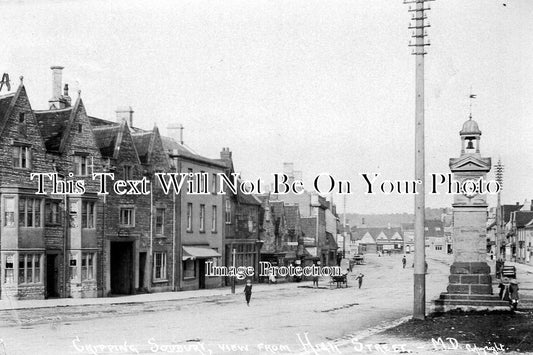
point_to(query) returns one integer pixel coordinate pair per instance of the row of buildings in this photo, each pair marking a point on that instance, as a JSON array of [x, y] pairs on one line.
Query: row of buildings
[[510, 232], [63, 243], [438, 238]]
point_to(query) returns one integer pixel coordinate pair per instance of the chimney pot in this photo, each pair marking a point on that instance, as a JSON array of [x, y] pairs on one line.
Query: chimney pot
[[125, 113]]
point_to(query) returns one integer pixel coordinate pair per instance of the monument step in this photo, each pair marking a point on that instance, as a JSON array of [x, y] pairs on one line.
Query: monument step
[[447, 296]]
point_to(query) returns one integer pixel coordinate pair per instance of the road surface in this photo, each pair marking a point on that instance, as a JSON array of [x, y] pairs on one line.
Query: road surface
[[279, 319]]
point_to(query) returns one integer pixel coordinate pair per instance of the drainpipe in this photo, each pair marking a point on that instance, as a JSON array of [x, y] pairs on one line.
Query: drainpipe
[[150, 250], [66, 224], [102, 268]]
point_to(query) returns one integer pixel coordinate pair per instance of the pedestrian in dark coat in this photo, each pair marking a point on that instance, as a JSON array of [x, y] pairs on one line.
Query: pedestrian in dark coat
[[404, 261], [513, 294], [248, 291], [359, 278]]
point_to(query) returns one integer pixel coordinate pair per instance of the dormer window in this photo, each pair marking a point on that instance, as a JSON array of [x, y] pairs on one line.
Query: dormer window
[[81, 165], [22, 157]]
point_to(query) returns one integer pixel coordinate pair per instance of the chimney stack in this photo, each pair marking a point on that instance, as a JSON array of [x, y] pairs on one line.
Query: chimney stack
[[125, 113], [225, 154], [56, 102], [67, 98]]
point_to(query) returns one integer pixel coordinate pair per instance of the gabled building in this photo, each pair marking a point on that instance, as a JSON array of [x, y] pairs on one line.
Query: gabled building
[[73, 153], [161, 271], [24, 214], [434, 236]]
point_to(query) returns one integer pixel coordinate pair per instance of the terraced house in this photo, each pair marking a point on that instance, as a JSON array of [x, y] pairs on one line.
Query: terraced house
[[87, 243]]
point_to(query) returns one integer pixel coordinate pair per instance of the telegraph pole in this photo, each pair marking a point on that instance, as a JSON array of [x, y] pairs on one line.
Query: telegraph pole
[[418, 25], [499, 180]]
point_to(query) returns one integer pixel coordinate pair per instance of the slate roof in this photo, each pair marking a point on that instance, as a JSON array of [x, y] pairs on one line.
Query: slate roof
[[359, 233], [5, 101], [507, 209], [53, 124], [522, 218], [142, 141], [106, 139], [247, 199], [170, 144], [98, 122], [435, 228]]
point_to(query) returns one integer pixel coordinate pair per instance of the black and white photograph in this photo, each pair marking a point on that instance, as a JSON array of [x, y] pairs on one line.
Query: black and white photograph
[[311, 177]]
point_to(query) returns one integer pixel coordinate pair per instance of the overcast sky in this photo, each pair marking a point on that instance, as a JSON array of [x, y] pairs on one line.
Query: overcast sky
[[327, 85]]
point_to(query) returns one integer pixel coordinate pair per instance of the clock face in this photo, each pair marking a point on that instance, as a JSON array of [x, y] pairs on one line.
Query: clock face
[[469, 188]]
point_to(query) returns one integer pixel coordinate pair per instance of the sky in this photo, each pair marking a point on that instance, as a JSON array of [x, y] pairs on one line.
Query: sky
[[327, 85]]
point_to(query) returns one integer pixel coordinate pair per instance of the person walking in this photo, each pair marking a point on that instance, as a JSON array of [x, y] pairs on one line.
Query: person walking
[[248, 291], [315, 281], [359, 278], [404, 261]]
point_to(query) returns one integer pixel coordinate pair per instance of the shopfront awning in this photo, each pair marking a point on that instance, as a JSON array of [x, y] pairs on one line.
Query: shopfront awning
[[199, 253], [311, 251]]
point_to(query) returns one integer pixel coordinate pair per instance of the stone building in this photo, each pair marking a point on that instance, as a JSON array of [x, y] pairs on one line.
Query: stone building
[[80, 242], [201, 226], [243, 220]]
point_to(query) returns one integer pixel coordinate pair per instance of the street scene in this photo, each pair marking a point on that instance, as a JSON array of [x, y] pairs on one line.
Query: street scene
[[266, 177], [278, 315]]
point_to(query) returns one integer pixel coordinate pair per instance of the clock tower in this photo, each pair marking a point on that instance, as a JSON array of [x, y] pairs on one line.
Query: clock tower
[[470, 281]]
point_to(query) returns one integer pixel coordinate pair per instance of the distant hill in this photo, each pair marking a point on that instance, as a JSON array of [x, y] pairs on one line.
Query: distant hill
[[382, 220]]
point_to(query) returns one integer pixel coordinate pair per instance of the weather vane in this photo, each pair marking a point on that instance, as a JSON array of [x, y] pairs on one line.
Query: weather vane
[[472, 97]]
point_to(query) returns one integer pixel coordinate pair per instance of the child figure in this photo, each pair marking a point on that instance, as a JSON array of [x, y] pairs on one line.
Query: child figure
[[360, 279], [513, 294], [248, 291]]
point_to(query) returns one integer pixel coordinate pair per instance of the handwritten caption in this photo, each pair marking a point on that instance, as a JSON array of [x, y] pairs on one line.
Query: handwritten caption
[[304, 345]]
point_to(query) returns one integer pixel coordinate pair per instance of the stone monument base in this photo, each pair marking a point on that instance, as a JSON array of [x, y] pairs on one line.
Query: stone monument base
[[470, 289], [470, 278]]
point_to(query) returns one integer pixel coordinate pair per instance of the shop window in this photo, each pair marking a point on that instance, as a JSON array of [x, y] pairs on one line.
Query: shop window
[[29, 268], [189, 269]]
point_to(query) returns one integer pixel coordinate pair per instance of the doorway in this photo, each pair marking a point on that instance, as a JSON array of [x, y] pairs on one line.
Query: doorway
[[122, 268], [52, 276], [142, 267], [201, 274]]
